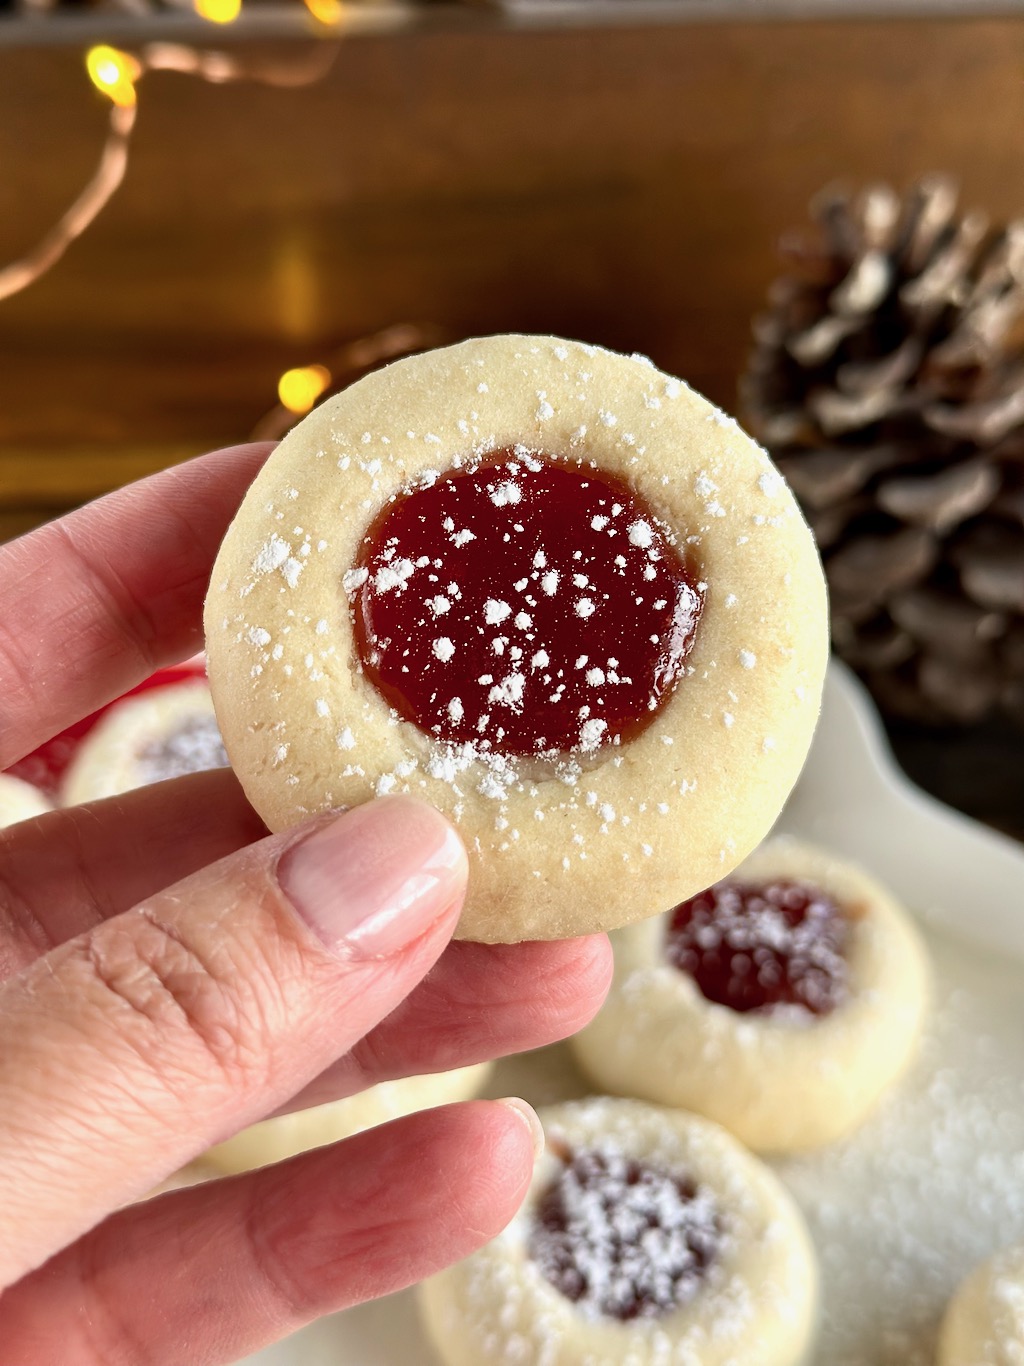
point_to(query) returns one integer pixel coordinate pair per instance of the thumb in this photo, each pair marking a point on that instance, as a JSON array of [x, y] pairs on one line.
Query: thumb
[[129, 1050]]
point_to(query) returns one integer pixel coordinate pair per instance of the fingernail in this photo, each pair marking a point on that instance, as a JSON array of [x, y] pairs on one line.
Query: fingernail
[[529, 1117], [377, 877]]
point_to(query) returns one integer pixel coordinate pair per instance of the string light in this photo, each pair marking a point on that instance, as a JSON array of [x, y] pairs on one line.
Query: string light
[[116, 74], [219, 11], [104, 181], [299, 389], [327, 12]]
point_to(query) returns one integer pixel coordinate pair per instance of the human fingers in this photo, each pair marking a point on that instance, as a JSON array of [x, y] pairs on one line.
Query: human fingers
[[132, 1048], [63, 874], [94, 602], [480, 1001], [235, 1265]]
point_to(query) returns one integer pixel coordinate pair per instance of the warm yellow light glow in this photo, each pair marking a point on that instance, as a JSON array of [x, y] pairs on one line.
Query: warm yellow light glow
[[299, 389], [330, 12], [218, 11], [114, 73]]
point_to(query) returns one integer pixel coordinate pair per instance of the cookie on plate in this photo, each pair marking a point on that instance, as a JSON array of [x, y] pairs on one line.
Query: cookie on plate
[[19, 801], [649, 1237], [273, 1140], [163, 733], [781, 1002], [984, 1323], [548, 589]]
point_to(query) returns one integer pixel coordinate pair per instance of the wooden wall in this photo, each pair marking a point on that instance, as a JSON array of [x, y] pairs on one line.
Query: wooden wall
[[622, 184]]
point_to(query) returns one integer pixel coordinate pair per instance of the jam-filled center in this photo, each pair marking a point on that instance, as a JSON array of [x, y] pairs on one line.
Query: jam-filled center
[[760, 948], [622, 1238], [193, 745], [523, 605]]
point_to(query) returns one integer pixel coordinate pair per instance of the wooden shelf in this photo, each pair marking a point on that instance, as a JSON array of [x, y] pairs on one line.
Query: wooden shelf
[[625, 183], [263, 21]]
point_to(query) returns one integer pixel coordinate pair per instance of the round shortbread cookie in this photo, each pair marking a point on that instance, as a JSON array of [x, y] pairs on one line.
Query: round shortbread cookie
[[648, 1237], [551, 837], [275, 1139], [19, 801], [830, 1009], [154, 735], [984, 1322]]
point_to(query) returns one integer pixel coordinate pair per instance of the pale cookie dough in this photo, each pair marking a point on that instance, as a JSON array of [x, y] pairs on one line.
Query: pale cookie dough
[[984, 1323], [275, 1139], [19, 801], [781, 1079], [725, 1278], [557, 848], [161, 733]]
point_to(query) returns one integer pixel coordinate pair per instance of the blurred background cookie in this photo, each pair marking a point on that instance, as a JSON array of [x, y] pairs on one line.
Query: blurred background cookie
[[275, 1139], [648, 1236], [782, 1002], [19, 801], [147, 737], [984, 1324]]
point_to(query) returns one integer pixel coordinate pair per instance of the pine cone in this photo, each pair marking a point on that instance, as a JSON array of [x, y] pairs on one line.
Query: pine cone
[[887, 380]]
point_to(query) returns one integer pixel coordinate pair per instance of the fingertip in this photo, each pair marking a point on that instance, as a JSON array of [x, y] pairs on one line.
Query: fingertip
[[596, 965], [507, 1137], [488, 1150], [374, 879], [528, 1115], [577, 977]]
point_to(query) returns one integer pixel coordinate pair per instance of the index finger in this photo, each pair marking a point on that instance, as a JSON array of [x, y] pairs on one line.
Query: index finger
[[93, 603]]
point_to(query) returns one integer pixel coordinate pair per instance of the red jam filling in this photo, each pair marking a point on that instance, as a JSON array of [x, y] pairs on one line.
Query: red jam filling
[[622, 1238], [523, 605], [192, 747], [759, 948]]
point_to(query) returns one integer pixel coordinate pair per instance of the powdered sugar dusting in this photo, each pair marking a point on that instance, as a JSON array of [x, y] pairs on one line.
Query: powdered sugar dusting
[[353, 579], [495, 612], [393, 575], [933, 1183], [624, 1239], [491, 551], [640, 534], [192, 746], [271, 555], [763, 948], [506, 492]]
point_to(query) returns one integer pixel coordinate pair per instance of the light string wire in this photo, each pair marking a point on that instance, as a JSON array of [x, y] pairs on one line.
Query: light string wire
[[299, 390], [116, 74]]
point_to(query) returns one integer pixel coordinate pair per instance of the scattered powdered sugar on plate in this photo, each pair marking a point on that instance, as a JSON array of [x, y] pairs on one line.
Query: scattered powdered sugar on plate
[[933, 1183], [929, 1187]]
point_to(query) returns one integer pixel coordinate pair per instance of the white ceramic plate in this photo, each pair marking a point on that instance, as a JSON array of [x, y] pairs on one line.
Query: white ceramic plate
[[935, 1180]]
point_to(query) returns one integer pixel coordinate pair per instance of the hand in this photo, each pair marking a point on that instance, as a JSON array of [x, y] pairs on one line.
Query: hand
[[169, 974]]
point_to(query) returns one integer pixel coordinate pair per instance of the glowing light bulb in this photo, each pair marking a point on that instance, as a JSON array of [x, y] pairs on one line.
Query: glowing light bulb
[[218, 11], [113, 72], [299, 389], [329, 12]]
